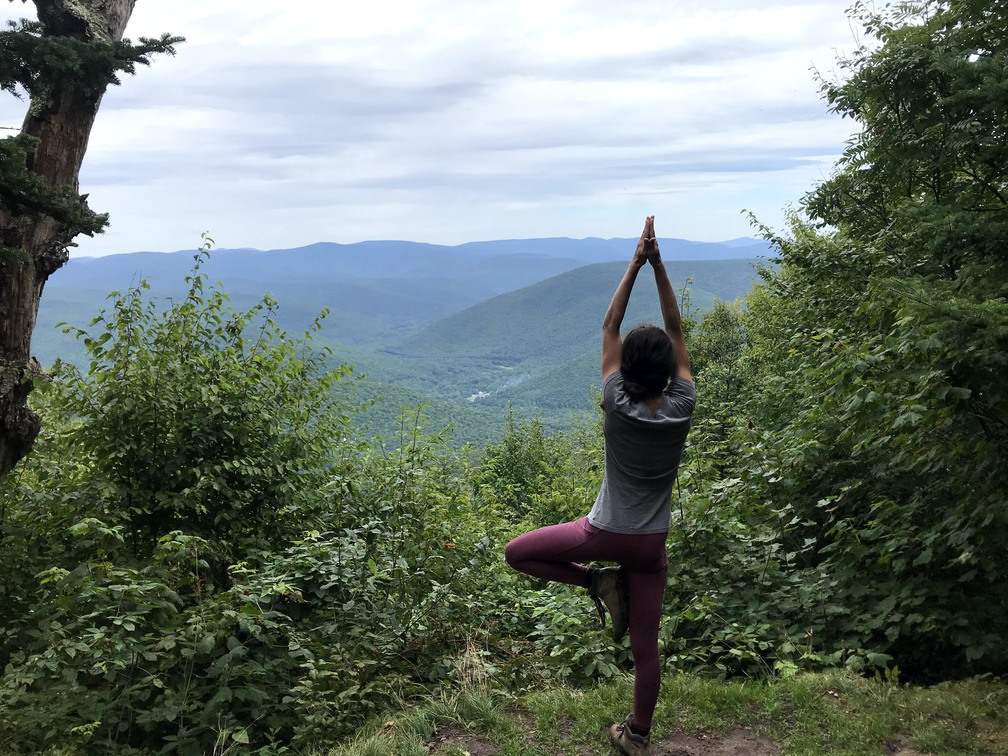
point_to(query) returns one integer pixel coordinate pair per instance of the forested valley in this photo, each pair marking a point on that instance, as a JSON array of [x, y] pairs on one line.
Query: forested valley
[[468, 331], [204, 553]]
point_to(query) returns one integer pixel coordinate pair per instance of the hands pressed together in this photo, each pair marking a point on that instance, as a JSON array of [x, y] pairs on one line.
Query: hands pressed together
[[612, 344], [647, 247]]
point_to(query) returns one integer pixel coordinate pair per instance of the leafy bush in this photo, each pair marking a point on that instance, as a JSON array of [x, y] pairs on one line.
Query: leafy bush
[[203, 419], [535, 479], [305, 578], [150, 657]]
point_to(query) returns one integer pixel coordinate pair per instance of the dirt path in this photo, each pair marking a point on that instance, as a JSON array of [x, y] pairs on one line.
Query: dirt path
[[740, 742]]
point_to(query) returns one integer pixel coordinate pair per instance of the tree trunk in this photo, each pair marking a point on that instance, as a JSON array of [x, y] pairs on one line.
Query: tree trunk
[[34, 247]]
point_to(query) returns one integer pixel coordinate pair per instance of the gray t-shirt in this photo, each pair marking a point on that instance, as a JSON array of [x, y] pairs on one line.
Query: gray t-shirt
[[642, 451]]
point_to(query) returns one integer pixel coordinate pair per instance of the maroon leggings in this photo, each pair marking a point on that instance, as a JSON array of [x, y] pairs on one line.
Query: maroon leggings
[[554, 553]]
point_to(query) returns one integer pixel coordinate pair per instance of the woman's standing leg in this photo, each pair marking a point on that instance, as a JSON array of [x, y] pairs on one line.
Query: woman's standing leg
[[646, 592]]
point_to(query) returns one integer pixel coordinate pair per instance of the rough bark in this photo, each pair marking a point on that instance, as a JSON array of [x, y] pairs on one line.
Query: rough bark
[[36, 246]]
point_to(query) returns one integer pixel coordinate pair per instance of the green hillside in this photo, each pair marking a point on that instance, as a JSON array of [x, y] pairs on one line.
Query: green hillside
[[78, 306], [208, 551], [396, 411], [538, 348], [556, 392], [557, 319]]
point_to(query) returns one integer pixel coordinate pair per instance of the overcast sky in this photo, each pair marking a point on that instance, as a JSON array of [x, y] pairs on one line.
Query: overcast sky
[[282, 124]]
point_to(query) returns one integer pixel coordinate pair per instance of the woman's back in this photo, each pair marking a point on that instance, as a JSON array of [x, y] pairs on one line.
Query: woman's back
[[642, 452]]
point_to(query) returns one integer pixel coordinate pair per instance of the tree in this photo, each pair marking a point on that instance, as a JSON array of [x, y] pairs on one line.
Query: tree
[[716, 355], [64, 62], [880, 430], [924, 186]]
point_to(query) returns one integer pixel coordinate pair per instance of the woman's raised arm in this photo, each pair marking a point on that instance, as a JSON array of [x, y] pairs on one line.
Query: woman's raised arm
[[669, 308], [612, 343]]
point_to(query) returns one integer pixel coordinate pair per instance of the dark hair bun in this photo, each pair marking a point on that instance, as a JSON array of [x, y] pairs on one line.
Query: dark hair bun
[[634, 389], [646, 361]]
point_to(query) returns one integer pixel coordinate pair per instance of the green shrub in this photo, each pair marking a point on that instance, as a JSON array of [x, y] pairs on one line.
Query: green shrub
[[203, 419]]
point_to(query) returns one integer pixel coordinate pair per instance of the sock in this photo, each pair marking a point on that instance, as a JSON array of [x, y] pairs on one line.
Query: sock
[[638, 730]]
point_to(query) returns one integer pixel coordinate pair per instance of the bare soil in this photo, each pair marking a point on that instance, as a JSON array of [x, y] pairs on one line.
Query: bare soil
[[739, 742], [451, 735]]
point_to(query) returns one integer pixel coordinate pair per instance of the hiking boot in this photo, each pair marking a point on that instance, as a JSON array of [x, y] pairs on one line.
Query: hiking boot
[[609, 589], [629, 742]]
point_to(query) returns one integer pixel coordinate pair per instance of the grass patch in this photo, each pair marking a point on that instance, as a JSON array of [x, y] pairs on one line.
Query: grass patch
[[828, 713]]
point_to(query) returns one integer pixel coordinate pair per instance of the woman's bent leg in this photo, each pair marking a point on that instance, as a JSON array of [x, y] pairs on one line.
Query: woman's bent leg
[[549, 552]]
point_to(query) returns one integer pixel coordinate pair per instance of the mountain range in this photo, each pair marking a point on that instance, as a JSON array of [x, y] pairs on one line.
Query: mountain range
[[466, 329]]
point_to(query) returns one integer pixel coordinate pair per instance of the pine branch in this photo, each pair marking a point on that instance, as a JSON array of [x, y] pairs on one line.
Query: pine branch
[[32, 58], [24, 193]]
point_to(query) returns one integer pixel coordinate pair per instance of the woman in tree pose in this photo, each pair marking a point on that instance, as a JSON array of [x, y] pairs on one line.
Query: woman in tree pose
[[648, 399]]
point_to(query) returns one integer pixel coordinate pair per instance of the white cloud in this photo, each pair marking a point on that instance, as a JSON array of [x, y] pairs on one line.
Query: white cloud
[[278, 125]]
